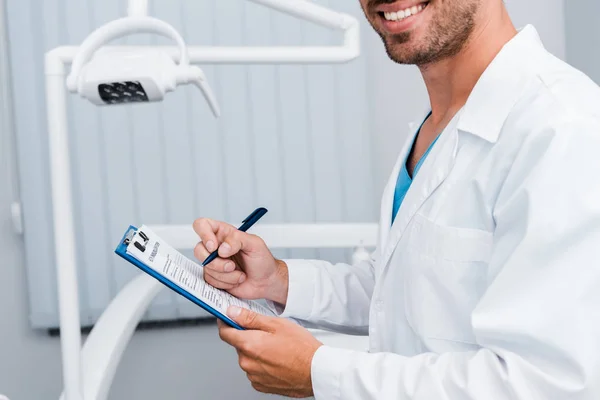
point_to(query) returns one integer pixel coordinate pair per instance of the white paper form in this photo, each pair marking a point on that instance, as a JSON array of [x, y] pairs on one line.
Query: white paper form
[[183, 272]]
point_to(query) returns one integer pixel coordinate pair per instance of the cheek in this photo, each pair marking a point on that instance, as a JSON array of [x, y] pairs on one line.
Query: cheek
[[432, 27], [365, 10]]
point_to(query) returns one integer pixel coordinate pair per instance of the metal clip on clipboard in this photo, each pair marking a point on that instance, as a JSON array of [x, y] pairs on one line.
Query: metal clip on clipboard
[[129, 237]]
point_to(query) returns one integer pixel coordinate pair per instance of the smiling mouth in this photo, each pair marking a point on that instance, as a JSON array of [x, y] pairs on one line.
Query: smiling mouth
[[402, 15]]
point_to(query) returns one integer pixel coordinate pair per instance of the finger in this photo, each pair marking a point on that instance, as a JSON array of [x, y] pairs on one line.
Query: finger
[[210, 231], [218, 264], [246, 342], [229, 278], [237, 241], [252, 377], [251, 320], [200, 252], [259, 388], [259, 379], [231, 336], [247, 364], [267, 381], [218, 284], [224, 333]]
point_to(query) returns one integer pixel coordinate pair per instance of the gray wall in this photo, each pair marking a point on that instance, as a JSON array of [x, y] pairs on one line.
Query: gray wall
[[167, 363], [583, 36], [26, 356]]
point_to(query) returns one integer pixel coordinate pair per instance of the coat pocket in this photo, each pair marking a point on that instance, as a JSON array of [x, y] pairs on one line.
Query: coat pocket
[[446, 276]]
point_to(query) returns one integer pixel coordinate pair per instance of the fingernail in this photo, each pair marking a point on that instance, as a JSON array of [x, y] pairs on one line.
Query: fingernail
[[210, 245], [229, 267], [234, 311], [242, 278], [225, 248]]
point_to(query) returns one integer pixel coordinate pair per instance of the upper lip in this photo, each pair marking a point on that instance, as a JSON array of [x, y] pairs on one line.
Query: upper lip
[[399, 5]]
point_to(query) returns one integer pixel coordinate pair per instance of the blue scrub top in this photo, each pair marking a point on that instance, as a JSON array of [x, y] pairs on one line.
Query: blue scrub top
[[404, 180]]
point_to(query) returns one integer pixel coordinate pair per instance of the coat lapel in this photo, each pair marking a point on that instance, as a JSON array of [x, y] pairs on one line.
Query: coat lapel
[[433, 172], [387, 200]]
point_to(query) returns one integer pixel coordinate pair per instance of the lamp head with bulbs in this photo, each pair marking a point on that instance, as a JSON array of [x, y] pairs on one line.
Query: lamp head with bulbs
[[116, 76]]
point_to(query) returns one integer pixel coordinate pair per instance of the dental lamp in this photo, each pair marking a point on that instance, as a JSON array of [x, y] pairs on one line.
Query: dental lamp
[[140, 75]]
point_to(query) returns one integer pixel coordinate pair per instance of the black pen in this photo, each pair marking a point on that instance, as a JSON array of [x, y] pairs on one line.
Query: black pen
[[246, 224]]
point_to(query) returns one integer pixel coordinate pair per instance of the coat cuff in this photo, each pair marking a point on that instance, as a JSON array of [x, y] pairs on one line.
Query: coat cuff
[[327, 367], [302, 275]]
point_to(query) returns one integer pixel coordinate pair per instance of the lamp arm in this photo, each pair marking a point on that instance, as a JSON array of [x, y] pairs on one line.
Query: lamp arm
[[193, 74], [119, 28]]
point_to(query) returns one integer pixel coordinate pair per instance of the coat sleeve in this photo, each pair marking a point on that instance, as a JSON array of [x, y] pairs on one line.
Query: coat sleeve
[[336, 297], [538, 324]]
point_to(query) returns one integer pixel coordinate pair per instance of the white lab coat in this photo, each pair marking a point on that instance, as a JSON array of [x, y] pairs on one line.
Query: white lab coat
[[487, 286]]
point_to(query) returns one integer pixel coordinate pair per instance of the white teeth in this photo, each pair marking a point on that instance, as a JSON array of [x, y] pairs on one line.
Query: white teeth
[[402, 14]]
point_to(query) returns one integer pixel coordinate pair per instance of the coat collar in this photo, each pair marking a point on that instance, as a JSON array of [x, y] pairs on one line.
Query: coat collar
[[500, 86]]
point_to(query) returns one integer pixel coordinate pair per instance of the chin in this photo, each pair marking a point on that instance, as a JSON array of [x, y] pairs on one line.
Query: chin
[[406, 51]]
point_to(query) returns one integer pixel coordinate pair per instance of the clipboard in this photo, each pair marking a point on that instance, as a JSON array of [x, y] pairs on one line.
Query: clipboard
[[121, 250]]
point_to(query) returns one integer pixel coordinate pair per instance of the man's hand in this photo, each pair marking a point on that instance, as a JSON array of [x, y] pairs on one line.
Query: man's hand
[[275, 353], [245, 266]]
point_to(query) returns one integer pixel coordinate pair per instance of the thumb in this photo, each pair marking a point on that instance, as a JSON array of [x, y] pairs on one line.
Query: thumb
[[250, 319]]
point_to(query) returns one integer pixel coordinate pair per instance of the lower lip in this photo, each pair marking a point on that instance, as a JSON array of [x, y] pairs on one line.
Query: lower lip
[[395, 27]]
